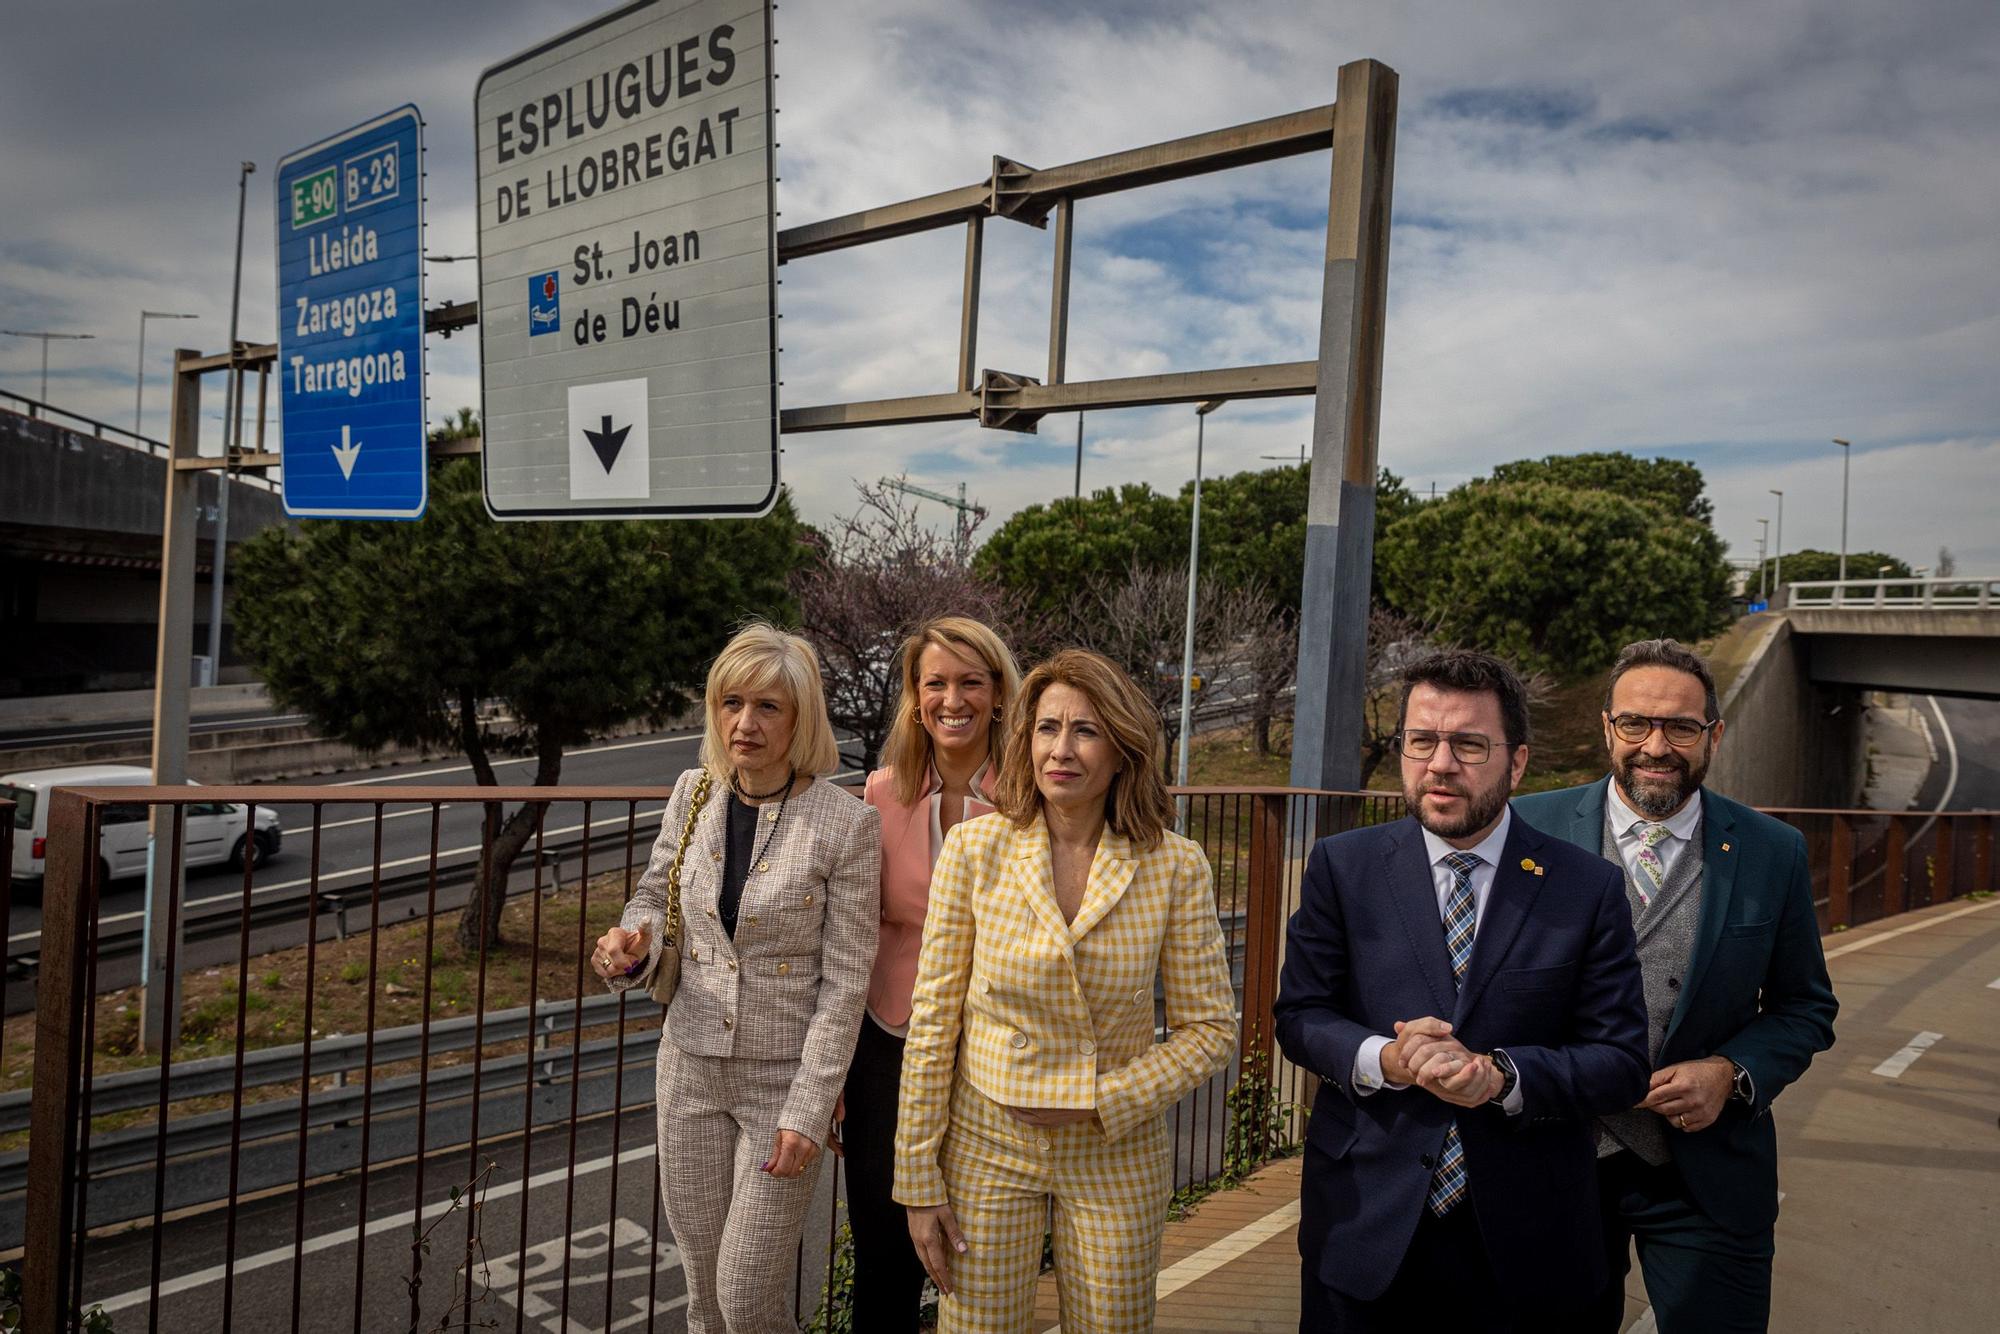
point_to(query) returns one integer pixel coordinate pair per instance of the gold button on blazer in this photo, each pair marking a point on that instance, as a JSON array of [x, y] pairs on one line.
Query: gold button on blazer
[[1037, 1012]]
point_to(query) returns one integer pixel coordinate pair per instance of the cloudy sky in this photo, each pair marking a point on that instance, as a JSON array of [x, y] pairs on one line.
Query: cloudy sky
[[1722, 230]]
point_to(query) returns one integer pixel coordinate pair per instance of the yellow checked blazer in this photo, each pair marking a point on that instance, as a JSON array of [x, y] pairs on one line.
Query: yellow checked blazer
[[1036, 1012]]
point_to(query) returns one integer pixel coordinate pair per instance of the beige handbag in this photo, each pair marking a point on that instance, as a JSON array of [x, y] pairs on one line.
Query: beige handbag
[[667, 976]]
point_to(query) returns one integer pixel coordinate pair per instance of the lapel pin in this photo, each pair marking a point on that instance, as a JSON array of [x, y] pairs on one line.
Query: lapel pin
[[1528, 864], [1725, 847], [1538, 870]]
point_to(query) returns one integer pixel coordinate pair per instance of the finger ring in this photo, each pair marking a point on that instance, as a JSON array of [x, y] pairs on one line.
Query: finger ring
[[1682, 1119]]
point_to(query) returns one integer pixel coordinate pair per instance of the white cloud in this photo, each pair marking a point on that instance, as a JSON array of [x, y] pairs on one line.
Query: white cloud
[[1726, 230]]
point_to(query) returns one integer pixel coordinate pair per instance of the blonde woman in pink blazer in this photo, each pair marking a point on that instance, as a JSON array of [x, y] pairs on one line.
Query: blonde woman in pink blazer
[[958, 680]]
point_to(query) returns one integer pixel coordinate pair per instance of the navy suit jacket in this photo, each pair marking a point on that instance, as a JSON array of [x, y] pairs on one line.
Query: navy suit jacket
[[1756, 989], [1553, 979]]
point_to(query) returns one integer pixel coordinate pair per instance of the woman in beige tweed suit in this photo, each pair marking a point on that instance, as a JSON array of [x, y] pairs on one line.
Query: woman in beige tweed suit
[[779, 894], [1031, 1075]]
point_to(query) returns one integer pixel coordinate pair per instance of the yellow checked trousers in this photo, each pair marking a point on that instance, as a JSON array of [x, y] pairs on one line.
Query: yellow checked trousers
[[1110, 1209]]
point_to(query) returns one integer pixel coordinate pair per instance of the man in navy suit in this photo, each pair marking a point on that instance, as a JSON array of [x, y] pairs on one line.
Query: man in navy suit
[[1737, 998], [1466, 990]]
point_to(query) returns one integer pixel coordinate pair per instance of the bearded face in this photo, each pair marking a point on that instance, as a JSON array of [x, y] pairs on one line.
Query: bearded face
[[1659, 785]]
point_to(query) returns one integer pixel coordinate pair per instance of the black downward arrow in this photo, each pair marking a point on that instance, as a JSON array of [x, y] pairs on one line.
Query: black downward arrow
[[607, 442]]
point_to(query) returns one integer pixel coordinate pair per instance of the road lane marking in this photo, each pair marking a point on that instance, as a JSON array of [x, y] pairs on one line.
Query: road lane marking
[[1924, 925], [346, 1235], [1994, 985], [667, 740], [639, 841], [1893, 1067], [1208, 1259]]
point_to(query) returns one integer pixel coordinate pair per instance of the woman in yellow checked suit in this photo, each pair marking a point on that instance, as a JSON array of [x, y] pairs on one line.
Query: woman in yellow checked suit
[[1032, 1074]]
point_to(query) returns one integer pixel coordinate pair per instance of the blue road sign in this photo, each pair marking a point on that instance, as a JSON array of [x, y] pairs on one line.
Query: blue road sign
[[351, 323]]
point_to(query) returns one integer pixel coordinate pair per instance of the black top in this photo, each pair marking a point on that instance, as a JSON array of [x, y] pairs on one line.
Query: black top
[[738, 849]]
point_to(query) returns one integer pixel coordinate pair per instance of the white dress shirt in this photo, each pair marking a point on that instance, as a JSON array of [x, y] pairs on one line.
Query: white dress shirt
[[1683, 827], [1368, 1059]]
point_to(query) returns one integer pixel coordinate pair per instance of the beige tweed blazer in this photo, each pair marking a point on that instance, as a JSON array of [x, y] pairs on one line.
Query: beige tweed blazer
[[790, 986]]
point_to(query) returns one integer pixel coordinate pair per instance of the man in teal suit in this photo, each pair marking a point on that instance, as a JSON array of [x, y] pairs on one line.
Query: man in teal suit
[[1737, 998]]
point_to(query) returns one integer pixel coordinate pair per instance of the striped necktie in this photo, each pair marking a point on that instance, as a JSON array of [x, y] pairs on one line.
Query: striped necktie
[[1448, 1181]]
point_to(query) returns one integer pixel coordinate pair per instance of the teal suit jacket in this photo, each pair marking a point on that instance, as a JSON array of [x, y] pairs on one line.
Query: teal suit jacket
[[1756, 989]]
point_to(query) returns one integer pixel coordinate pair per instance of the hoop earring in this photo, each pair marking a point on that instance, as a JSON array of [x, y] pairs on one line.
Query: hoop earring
[[917, 716], [998, 714]]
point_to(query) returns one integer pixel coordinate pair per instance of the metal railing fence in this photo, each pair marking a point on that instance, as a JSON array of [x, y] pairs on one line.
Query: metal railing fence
[[475, 1085], [1932, 592]]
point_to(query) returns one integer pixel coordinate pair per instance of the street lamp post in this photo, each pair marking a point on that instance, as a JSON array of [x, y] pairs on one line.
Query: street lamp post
[[45, 337], [1846, 458], [1194, 555], [232, 432], [1778, 564], [1763, 555], [139, 395]]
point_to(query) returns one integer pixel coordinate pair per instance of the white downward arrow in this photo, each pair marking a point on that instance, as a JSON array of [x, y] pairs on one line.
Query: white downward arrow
[[344, 454]]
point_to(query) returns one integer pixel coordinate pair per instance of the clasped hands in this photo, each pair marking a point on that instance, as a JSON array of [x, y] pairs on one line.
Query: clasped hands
[[1425, 1053]]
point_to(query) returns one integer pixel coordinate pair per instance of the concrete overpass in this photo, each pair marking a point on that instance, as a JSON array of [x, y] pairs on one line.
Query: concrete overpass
[[81, 505], [1792, 681], [1937, 636]]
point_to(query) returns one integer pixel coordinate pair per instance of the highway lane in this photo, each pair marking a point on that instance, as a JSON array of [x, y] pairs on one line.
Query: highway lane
[[578, 1217], [1974, 725], [56, 734], [347, 833]]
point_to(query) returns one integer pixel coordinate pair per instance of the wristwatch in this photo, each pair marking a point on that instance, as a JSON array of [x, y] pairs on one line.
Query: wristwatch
[[1508, 1075], [1741, 1089]]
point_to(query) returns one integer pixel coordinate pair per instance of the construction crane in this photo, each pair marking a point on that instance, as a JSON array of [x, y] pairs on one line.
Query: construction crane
[[969, 513]]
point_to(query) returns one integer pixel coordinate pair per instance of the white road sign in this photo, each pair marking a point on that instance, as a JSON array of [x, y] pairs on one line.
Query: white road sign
[[627, 268]]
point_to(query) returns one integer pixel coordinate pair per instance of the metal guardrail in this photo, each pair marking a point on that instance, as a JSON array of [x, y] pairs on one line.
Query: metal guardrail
[[1933, 591], [36, 410]]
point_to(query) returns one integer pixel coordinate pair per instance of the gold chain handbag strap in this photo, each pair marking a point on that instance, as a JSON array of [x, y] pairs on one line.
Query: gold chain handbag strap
[[695, 802]]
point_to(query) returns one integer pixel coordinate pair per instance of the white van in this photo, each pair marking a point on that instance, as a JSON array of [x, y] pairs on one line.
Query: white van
[[214, 831]]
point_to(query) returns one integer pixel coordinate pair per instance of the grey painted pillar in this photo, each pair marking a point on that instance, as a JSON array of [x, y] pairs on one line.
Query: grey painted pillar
[[171, 669], [1340, 511]]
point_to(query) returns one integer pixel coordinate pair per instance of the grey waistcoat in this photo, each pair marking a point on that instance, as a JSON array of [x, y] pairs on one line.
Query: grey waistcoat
[[1666, 931]]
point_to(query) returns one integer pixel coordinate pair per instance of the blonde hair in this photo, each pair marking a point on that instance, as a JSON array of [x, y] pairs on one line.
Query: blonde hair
[[908, 750], [759, 657], [1137, 804]]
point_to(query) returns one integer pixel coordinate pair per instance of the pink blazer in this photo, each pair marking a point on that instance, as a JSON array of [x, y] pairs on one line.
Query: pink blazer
[[906, 888]]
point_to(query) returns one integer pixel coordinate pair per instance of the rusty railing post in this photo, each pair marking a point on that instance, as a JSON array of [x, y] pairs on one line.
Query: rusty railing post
[[1943, 885], [1895, 875], [47, 1277], [1982, 868], [1263, 924], [1840, 874]]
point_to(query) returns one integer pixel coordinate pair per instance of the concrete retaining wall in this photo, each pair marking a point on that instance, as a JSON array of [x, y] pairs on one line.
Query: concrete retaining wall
[[1789, 742]]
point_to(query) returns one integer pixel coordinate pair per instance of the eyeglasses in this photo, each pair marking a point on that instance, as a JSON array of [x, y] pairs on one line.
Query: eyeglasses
[[1636, 727], [1466, 747]]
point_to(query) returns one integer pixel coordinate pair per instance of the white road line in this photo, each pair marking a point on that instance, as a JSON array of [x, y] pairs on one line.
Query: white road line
[[641, 840], [667, 740], [1216, 1254], [641, 843], [1924, 925], [1951, 773], [1994, 985], [344, 1236], [1893, 1067]]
